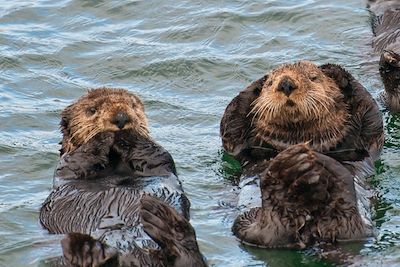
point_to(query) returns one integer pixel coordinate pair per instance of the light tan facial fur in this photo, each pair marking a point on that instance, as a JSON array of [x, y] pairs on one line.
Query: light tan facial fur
[[299, 103], [101, 110]]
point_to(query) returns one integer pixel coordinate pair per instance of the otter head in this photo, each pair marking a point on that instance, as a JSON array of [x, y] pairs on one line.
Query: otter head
[[101, 110], [299, 103]]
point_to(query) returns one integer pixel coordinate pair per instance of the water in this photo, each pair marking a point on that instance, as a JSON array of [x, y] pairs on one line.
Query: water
[[186, 60]]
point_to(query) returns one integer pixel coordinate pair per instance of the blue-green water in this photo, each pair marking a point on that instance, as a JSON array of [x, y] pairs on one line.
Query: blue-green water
[[186, 60]]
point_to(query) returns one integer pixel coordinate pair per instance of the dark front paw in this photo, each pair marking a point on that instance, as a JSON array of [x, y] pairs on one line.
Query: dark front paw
[[84, 251], [126, 136], [102, 141], [99, 145], [86, 161], [124, 141]]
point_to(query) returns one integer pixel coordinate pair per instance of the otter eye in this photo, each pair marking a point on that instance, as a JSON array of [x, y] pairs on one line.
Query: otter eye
[[91, 111], [313, 78]]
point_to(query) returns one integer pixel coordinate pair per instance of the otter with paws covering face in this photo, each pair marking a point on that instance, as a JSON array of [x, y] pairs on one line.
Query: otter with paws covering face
[[115, 191]]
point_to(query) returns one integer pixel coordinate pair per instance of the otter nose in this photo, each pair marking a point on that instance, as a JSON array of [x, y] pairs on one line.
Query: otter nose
[[121, 119], [286, 86]]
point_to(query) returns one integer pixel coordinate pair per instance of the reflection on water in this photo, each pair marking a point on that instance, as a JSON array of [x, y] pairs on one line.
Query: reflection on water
[[186, 60], [392, 130]]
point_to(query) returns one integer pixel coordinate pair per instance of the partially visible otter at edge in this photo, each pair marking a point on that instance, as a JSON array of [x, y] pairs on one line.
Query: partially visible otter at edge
[[386, 42], [115, 191], [307, 137]]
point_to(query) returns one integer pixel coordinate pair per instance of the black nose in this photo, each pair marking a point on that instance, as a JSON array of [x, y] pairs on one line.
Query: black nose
[[286, 86], [121, 119]]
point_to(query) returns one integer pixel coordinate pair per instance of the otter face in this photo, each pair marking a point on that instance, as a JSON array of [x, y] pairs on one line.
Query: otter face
[[296, 92], [101, 110], [299, 103]]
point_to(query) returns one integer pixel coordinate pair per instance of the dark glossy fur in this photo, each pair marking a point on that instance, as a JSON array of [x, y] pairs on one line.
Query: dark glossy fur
[[307, 195], [386, 42], [118, 199]]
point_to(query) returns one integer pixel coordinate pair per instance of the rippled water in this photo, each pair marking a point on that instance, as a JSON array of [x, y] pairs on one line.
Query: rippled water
[[186, 60]]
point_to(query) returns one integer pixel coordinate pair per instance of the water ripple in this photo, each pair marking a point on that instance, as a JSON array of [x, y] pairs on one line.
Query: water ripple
[[187, 60]]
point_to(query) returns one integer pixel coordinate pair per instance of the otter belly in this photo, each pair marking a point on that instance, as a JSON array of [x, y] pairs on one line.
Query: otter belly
[[108, 209]]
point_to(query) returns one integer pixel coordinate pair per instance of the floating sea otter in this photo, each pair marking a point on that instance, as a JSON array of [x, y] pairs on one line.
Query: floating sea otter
[[386, 42], [307, 136], [115, 193]]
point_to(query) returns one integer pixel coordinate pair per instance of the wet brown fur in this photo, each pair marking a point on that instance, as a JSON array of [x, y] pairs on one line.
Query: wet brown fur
[[310, 148], [116, 194], [93, 113], [253, 129], [386, 43], [316, 107]]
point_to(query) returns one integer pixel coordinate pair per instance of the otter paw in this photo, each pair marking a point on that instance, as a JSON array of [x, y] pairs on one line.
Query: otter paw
[[102, 140], [84, 251], [99, 145], [124, 141]]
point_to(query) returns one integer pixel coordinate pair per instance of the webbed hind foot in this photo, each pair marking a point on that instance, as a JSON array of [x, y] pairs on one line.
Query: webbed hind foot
[[299, 174], [84, 251], [171, 231]]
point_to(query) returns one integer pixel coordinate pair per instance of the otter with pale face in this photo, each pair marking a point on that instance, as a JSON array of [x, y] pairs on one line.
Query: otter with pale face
[[299, 98], [101, 110], [115, 193], [307, 135]]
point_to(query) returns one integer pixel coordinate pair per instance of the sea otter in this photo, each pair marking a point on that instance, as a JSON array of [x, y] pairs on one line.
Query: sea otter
[[307, 136], [115, 192], [386, 42]]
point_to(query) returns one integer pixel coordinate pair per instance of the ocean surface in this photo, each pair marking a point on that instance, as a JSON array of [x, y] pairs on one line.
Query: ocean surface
[[186, 60]]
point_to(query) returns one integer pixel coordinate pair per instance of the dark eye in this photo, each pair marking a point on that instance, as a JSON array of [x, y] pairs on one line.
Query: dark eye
[[91, 111], [313, 78]]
